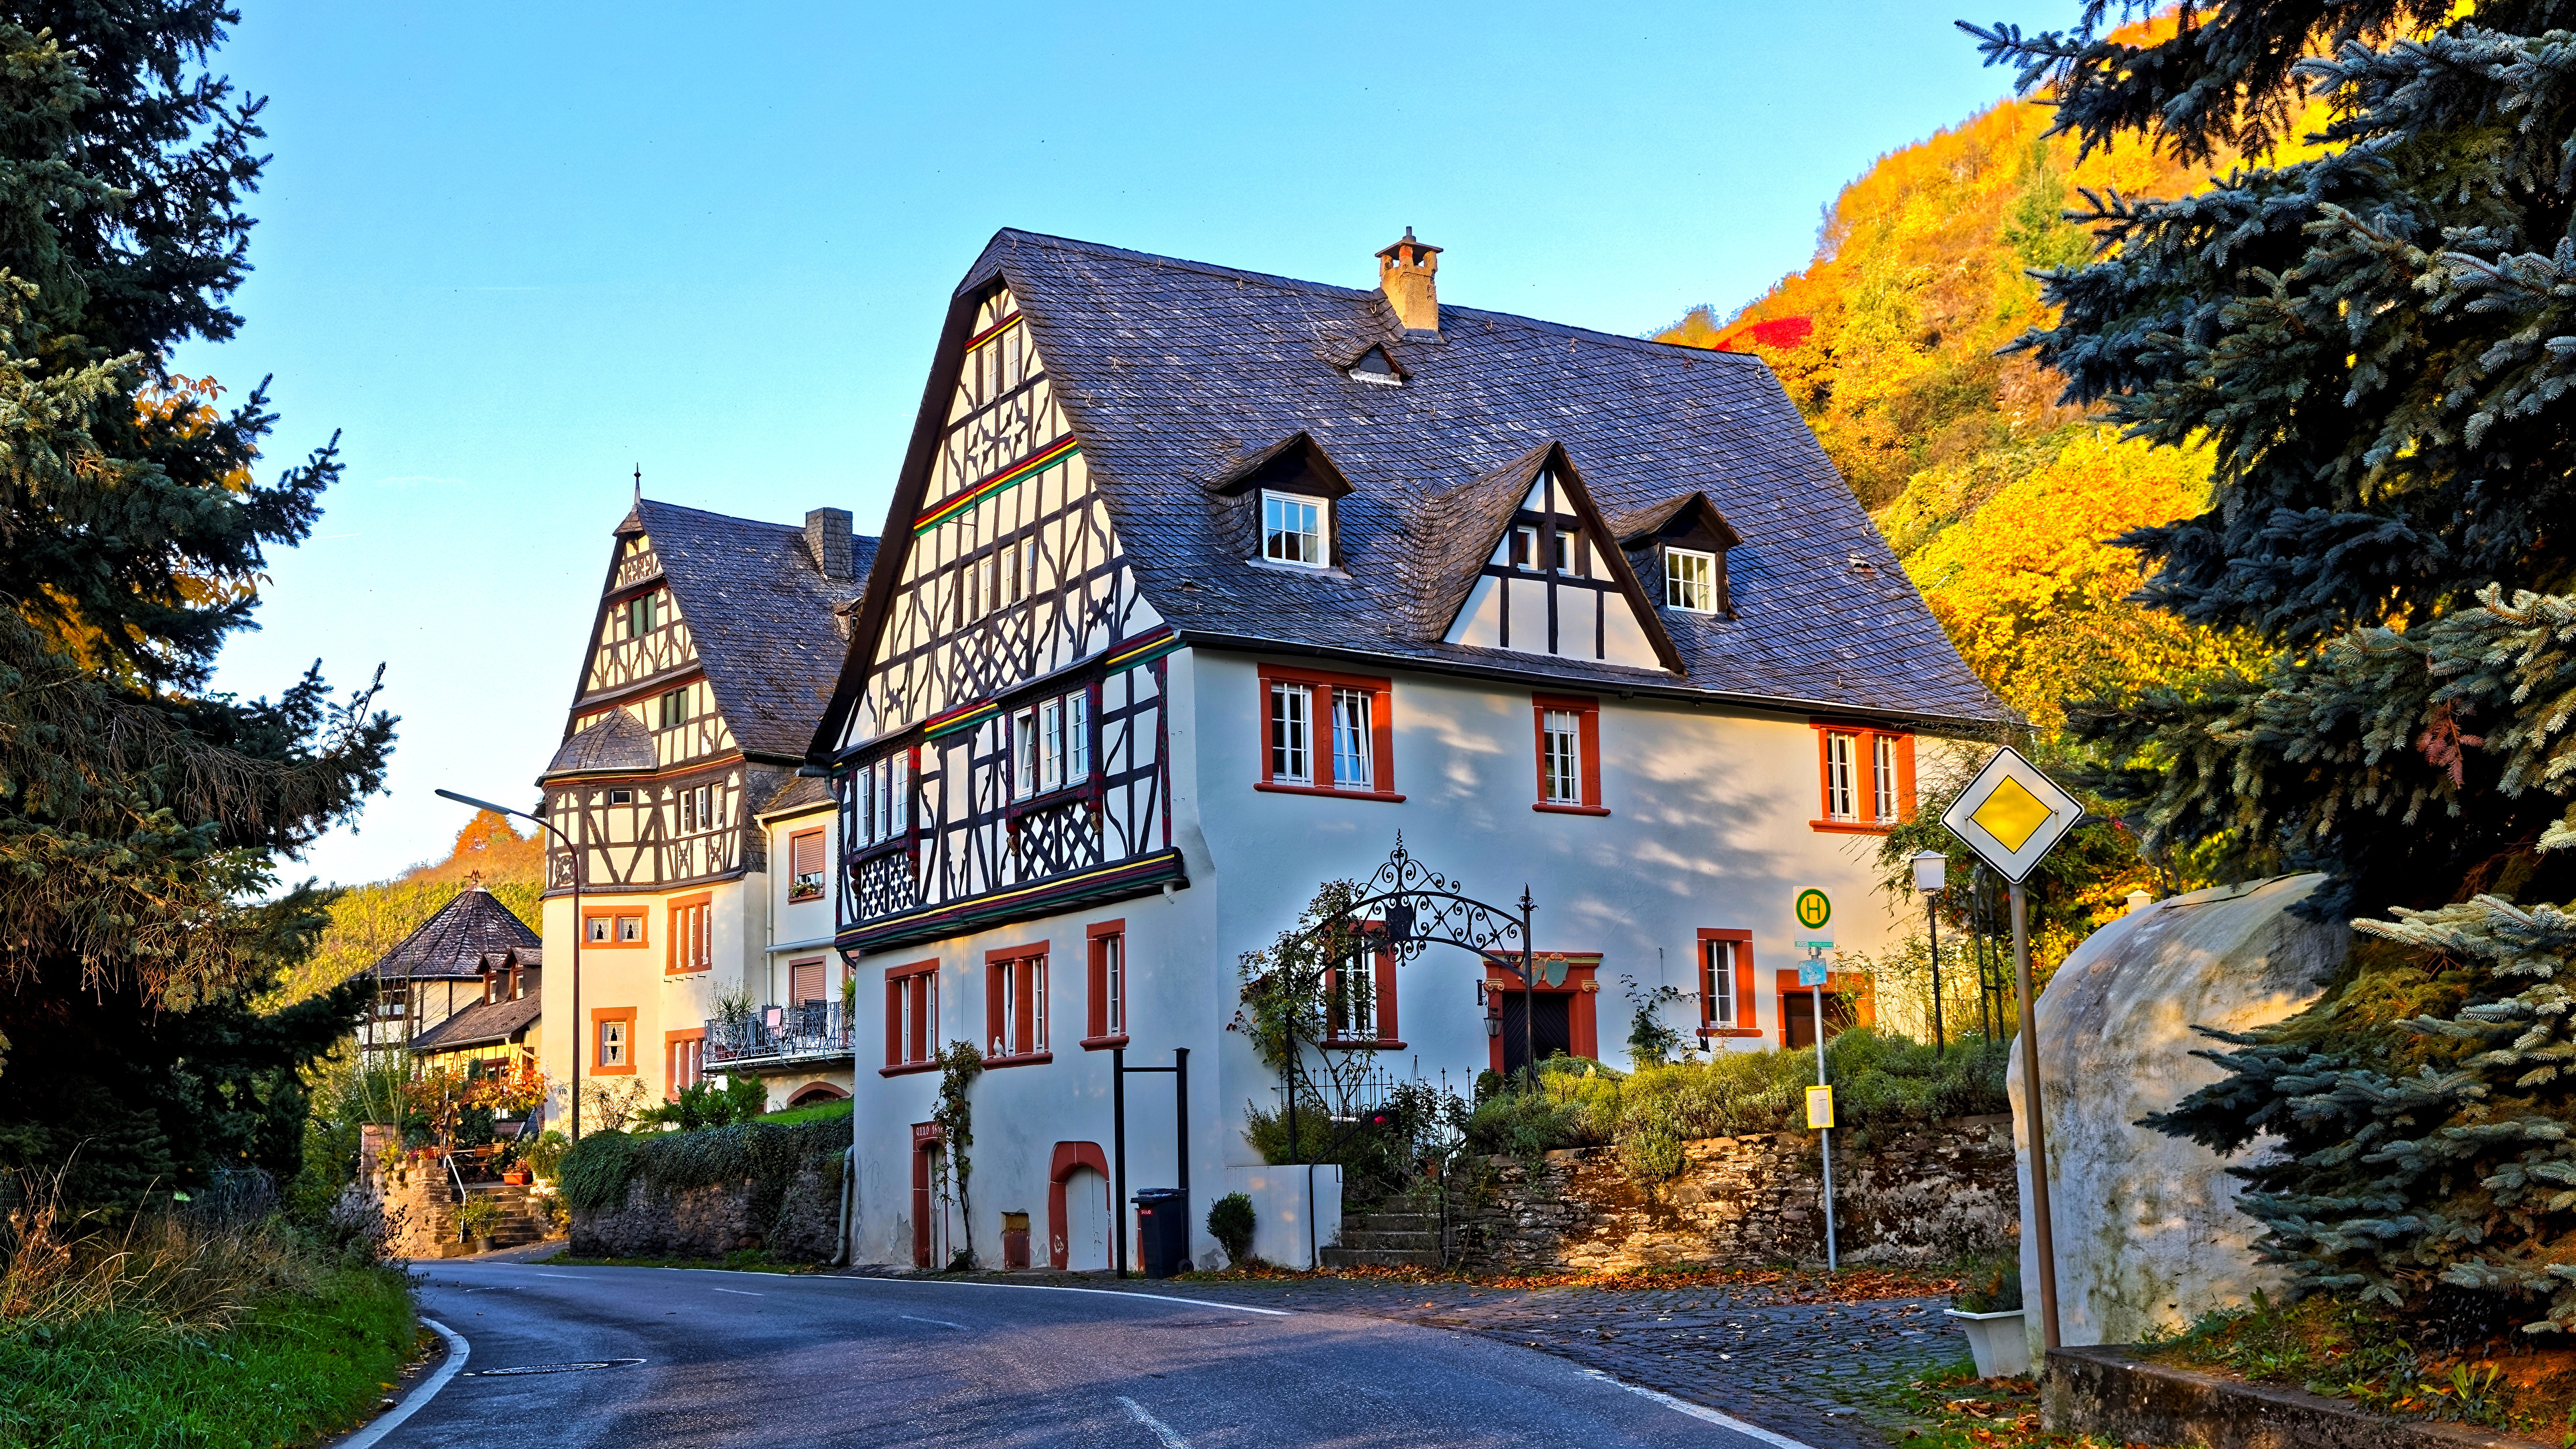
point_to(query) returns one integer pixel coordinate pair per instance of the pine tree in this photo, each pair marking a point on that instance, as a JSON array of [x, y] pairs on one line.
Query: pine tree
[[2375, 342], [140, 815]]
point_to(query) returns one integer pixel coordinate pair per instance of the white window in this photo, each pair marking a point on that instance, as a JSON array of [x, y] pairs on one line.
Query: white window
[[1717, 982], [1565, 550], [1037, 1005], [1009, 981], [1024, 754], [1051, 745], [1077, 737], [1525, 547], [865, 805], [1292, 529], [898, 794], [1291, 734], [1561, 763], [1354, 742], [1842, 801], [1690, 580], [1882, 775], [612, 1043]]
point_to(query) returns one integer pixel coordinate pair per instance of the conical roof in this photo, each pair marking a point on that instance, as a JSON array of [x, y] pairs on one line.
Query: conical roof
[[451, 944]]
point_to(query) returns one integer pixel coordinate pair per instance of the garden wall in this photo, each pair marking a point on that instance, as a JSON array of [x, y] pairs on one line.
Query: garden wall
[[410, 1192], [754, 1186], [1924, 1194]]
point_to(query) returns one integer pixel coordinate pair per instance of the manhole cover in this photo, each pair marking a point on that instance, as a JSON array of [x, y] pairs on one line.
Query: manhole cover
[[548, 1368]]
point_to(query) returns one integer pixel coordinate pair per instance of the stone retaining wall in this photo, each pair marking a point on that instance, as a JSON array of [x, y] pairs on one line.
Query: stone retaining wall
[[410, 1192], [709, 1222], [2110, 1393], [1930, 1194]]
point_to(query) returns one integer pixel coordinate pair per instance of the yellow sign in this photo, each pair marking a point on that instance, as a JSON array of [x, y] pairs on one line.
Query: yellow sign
[[1820, 1108], [1813, 909], [2011, 813]]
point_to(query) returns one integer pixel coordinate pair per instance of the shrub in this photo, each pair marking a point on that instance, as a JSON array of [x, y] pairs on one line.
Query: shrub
[[595, 1172], [768, 1155], [1879, 1082], [477, 1216], [706, 1105], [1230, 1223], [1993, 1287]]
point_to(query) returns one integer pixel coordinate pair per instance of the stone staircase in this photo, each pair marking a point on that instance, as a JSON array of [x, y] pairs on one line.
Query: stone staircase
[[522, 1221], [1401, 1233]]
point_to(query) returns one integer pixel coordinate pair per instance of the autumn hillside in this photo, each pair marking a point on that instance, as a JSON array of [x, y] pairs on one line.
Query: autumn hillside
[[1998, 499], [368, 920]]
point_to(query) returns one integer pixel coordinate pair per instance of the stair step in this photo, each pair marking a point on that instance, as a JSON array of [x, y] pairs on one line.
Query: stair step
[[1338, 1257]]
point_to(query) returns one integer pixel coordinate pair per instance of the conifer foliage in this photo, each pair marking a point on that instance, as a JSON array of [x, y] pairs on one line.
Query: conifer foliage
[[2374, 344], [140, 815]]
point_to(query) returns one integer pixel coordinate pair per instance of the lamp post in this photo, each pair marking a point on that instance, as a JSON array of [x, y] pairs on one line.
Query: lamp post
[[579, 929], [1931, 873]]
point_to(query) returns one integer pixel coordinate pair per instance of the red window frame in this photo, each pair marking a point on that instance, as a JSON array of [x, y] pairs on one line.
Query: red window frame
[[1021, 969], [1382, 984], [1319, 734], [799, 845], [684, 1060], [1101, 938], [1864, 778], [692, 946], [1746, 1017], [1582, 989], [1587, 739], [917, 982], [600, 1017], [642, 916]]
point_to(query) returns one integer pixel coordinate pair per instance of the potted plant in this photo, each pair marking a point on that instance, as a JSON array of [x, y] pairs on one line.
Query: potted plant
[[476, 1217], [1988, 1310]]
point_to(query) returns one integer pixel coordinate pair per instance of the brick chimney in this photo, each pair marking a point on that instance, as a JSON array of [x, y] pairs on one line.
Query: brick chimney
[[827, 539], [1404, 275]]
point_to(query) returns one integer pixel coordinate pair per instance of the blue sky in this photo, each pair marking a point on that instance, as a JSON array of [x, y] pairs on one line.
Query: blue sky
[[513, 252]]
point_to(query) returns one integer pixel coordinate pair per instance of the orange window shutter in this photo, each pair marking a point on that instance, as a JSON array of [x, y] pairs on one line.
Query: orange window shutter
[[1746, 1018], [806, 853], [805, 981]]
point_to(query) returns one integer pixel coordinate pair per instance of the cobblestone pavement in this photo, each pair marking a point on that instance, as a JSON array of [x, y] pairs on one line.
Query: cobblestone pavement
[[1815, 1372]]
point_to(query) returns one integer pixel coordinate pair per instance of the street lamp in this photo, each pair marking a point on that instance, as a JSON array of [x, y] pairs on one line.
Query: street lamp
[[1931, 873], [580, 928]]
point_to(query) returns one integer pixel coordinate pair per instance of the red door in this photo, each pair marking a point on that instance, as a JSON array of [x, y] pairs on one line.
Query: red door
[[925, 1141]]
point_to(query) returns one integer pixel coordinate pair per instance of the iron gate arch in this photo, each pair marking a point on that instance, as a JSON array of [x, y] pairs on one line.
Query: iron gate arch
[[1404, 909]]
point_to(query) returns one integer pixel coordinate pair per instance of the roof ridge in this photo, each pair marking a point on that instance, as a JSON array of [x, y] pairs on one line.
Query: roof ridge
[[1301, 284]]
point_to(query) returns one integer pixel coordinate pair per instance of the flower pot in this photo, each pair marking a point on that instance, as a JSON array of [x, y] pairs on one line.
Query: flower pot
[[515, 1178], [1998, 1341], [484, 1245]]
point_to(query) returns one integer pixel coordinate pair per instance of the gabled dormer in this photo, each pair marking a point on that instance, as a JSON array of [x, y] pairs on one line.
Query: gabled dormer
[[1285, 495], [1553, 580], [1376, 368], [1679, 547]]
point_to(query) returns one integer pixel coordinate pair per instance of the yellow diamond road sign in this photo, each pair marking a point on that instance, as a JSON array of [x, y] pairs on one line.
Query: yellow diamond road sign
[[2011, 814]]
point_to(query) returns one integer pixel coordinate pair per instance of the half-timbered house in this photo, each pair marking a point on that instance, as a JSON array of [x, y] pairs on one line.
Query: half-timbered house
[[714, 644], [1200, 585], [439, 969]]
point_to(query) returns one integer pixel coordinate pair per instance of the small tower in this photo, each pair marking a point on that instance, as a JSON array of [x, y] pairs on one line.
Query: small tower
[[1404, 274]]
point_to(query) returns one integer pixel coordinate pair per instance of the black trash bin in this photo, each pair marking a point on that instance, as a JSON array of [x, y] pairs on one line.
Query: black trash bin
[[1162, 1231]]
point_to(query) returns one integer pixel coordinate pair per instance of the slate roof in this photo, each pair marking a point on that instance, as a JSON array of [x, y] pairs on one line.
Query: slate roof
[[1174, 372], [480, 1024], [618, 744], [451, 945], [761, 614], [800, 792]]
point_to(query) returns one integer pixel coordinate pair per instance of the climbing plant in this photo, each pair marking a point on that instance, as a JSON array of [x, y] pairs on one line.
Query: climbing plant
[[959, 1066]]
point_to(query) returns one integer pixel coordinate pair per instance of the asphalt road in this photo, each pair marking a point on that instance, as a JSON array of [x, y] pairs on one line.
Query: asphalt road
[[706, 1359]]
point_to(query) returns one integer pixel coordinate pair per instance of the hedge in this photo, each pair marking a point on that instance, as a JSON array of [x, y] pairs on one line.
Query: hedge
[[601, 1169]]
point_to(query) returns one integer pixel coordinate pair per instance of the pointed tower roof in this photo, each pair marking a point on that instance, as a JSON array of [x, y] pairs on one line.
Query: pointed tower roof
[[450, 945]]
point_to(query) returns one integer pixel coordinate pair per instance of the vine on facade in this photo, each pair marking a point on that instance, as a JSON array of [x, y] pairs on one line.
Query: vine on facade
[[959, 1066]]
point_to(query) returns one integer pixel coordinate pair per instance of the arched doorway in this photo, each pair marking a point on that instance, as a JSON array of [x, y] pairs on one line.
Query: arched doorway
[[813, 1092], [1079, 1213]]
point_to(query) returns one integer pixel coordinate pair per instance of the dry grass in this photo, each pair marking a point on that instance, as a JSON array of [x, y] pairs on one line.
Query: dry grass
[[157, 1270]]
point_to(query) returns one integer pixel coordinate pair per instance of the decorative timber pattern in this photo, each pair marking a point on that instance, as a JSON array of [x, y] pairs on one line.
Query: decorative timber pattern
[[1551, 585], [1007, 752]]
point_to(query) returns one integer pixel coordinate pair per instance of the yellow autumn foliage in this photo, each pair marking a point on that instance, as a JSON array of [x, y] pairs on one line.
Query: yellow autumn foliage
[[2037, 597]]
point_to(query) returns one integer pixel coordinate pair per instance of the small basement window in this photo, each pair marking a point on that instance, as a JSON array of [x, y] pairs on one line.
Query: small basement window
[[1292, 529]]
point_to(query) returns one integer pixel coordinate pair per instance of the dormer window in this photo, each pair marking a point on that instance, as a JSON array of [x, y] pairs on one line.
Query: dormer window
[[1292, 529], [1690, 580], [1375, 368], [1525, 548]]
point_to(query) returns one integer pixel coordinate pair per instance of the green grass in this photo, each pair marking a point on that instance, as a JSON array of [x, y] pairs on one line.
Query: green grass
[[811, 1112], [295, 1368]]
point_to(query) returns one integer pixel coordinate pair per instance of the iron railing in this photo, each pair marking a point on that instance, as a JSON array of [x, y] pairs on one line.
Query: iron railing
[[806, 1031]]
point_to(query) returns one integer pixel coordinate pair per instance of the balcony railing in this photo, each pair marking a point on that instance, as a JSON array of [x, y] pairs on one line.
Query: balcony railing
[[807, 1031]]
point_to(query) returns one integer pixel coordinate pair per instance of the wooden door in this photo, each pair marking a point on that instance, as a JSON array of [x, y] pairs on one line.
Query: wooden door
[[1554, 1027], [1086, 1221], [922, 1208]]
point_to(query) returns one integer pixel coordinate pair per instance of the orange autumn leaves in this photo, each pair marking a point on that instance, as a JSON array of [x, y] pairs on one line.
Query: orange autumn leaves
[[2036, 596]]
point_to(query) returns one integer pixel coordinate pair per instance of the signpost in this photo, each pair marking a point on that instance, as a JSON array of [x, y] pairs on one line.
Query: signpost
[[1813, 909], [2010, 815]]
